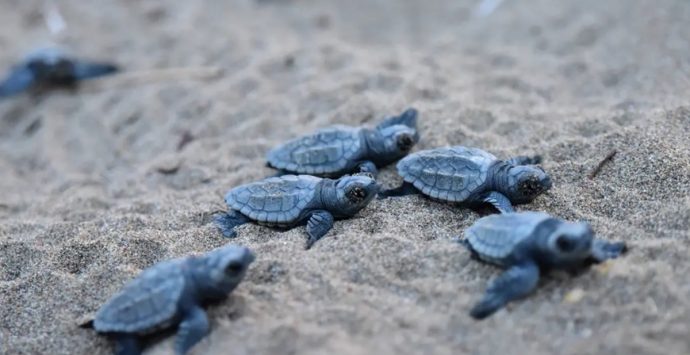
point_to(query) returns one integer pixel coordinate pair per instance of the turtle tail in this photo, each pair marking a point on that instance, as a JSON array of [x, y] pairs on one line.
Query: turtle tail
[[227, 222]]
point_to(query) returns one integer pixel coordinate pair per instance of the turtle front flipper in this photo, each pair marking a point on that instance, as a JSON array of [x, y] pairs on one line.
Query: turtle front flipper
[[192, 329], [20, 79], [227, 222], [603, 250], [89, 70], [514, 283], [318, 225], [368, 167], [403, 190], [127, 344], [525, 160], [499, 201], [407, 118]]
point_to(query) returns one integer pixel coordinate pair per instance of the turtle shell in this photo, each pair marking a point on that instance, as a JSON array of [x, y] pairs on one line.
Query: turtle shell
[[328, 151], [276, 200], [147, 303], [495, 237], [450, 174]]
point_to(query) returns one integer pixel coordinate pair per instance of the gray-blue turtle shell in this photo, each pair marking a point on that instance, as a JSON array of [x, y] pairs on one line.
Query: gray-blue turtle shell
[[147, 303], [278, 200], [451, 174], [495, 237], [328, 151]]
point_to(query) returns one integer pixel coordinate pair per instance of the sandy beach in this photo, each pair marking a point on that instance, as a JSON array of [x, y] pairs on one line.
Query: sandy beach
[[99, 183]]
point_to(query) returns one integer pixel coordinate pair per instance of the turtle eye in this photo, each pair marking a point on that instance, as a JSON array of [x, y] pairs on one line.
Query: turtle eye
[[564, 244], [404, 142], [234, 268], [356, 194]]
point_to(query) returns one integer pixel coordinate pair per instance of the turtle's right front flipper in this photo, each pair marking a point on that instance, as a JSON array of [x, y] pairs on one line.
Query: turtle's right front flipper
[[499, 201], [19, 79], [318, 225], [514, 283]]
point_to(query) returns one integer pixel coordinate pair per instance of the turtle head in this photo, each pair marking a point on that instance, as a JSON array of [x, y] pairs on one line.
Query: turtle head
[[396, 137], [50, 64], [526, 182], [224, 268], [393, 143], [570, 242], [353, 193]]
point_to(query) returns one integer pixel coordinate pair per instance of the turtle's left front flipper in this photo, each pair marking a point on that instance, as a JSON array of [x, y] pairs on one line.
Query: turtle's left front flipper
[[88, 70], [19, 79], [514, 283]]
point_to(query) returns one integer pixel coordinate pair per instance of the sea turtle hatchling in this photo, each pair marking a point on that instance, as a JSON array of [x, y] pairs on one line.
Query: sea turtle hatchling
[[171, 293], [339, 150], [48, 67], [470, 175], [291, 200], [526, 242]]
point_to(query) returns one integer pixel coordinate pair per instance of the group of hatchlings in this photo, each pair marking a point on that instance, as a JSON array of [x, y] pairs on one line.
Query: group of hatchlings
[[330, 175]]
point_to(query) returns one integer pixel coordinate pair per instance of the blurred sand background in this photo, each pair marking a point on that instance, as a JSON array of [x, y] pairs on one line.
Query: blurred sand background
[[84, 205]]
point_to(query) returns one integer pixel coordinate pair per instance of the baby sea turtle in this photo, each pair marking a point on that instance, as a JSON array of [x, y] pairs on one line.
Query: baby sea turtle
[[526, 242], [171, 293], [470, 175], [49, 67], [291, 200], [339, 150]]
